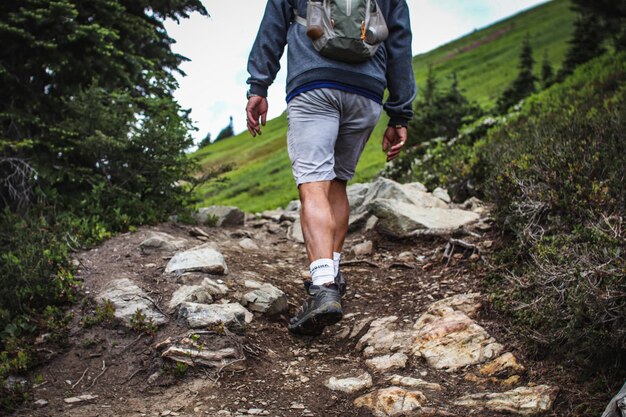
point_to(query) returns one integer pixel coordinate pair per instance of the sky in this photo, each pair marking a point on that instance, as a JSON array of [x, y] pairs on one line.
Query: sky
[[218, 47]]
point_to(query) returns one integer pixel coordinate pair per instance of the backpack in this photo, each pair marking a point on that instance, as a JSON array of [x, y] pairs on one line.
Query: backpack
[[345, 30]]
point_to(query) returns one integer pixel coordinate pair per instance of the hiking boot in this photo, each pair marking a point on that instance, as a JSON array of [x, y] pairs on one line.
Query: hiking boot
[[340, 282], [321, 308]]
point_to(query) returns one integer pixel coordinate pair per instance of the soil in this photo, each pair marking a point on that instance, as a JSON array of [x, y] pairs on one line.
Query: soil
[[282, 375]]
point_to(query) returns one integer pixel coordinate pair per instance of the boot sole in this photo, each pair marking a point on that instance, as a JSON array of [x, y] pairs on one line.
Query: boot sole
[[313, 324]]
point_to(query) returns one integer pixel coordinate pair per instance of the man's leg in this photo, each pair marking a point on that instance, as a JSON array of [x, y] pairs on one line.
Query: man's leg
[[341, 212], [317, 219]]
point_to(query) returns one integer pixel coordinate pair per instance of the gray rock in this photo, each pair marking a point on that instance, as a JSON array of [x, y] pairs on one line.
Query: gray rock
[[248, 244], [158, 241], [388, 362], [442, 194], [392, 401], [350, 385], [295, 232], [40, 403], [265, 298], [273, 215], [80, 399], [294, 205], [400, 219], [231, 315], [371, 222], [525, 401], [15, 382], [191, 294], [127, 298], [199, 259], [226, 216], [214, 288], [362, 249]]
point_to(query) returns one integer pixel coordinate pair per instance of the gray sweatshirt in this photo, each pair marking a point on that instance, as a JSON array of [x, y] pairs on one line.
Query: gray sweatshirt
[[390, 68]]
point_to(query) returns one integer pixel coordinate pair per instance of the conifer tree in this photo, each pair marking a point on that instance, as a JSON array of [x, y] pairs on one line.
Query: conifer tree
[[524, 84], [547, 73], [586, 43]]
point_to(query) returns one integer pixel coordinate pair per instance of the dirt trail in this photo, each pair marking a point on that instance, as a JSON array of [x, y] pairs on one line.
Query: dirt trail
[[282, 375]]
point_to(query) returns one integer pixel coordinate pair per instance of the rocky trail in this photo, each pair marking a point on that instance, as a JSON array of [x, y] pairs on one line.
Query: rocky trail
[[210, 337]]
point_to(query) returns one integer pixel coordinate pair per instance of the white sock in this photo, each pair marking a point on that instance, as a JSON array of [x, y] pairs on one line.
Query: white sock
[[322, 271], [336, 259]]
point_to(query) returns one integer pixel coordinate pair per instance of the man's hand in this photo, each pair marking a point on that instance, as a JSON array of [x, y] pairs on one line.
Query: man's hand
[[256, 108], [393, 141]]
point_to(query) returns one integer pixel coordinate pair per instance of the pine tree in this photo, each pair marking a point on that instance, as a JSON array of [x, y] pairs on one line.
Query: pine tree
[[586, 43], [547, 73], [524, 84], [206, 141], [227, 132]]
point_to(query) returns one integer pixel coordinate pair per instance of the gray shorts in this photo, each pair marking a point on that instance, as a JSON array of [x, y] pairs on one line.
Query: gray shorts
[[328, 130]]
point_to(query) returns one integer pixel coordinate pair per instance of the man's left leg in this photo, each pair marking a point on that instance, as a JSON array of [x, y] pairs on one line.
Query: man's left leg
[[341, 212]]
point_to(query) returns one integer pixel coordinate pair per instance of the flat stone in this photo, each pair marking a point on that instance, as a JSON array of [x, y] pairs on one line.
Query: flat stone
[[525, 401], [193, 353], [392, 401], [248, 244], [401, 219], [192, 294], [350, 385], [40, 403], [385, 336], [80, 399], [158, 241], [265, 298], [388, 362], [469, 303], [504, 365], [202, 258], [222, 215], [449, 339], [214, 288], [410, 382], [273, 215], [362, 249], [127, 298], [231, 315]]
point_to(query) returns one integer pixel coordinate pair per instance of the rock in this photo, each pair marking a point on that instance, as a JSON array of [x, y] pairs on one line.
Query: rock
[[231, 315], [469, 304], [388, 362], [350, 385], [406, 257], [127, 298], [442, 194], [359, 326], [40, 403], [265, 298], [221, 215], [293, 206], [407, 381], [214, 288], [295, 232], [192, 294], [202, 258], [362, 249], [449, 339], [15, 382], [475, 205], [617, 405], [193, 353], [384, 337], [504, 365], [371, 222], [400, 219], [158, 241], [526, 401], [80, 399], [248, 244], [273, 215], [391, 401], [508, 382]]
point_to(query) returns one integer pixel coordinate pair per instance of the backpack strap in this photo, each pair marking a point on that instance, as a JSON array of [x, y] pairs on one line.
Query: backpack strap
[[296, 16]]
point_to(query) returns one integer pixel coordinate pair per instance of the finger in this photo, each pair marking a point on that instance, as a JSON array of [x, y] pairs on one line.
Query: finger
[[397, 147], [263, 118]]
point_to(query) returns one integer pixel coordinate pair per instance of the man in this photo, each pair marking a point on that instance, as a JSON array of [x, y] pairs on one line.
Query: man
[[332, 109]]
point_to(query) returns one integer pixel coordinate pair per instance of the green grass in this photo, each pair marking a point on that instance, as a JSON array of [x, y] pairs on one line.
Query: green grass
[[485, 62]]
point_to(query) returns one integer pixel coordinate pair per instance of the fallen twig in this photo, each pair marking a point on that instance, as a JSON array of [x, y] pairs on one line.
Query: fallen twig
[[81, 378], [104, 369], [360, 262]]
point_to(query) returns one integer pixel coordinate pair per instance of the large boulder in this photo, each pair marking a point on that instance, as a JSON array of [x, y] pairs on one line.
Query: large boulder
[[401, 219], [392, 401], [221, 215], [128, 298], [384, 336], [203, 258]]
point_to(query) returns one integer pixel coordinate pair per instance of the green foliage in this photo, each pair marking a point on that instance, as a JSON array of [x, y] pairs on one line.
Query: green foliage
[[524, 84], [557, 179], [547, 72], [103, 314], [440, 114], [142, 324], [586, 43]]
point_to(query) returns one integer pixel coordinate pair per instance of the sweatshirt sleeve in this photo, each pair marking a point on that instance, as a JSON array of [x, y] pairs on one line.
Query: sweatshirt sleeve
[[264, 59], [400, 77]]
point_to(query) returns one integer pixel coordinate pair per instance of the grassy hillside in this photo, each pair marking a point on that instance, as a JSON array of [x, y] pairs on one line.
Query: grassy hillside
[[485, 62]]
